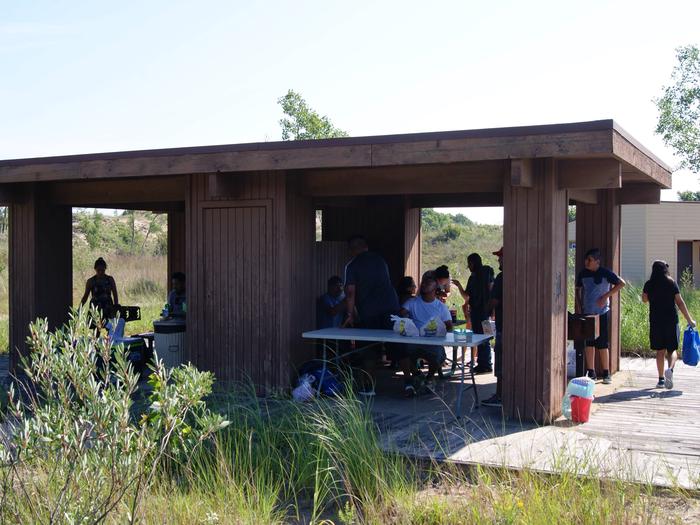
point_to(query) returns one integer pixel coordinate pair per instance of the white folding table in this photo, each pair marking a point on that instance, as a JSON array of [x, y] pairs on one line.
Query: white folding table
[[389, 336]]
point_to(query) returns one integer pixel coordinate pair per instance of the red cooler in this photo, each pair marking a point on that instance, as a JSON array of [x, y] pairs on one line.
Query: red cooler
[[580, 409]]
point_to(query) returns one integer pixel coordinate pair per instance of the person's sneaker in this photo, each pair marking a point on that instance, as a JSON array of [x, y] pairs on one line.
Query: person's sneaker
[[668, 377], [591, 375], [661, 383], [409, 391], [483, 370], [493, 401], [607, 380]]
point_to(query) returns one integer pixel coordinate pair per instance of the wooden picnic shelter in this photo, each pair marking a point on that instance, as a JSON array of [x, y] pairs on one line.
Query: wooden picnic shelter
[[242, 226]]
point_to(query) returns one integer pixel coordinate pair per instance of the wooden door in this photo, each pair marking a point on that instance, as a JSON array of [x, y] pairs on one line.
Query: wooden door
[[239, 290]]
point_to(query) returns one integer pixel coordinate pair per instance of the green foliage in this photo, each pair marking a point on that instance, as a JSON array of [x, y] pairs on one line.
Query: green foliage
[[134, 232], [679, 108], [571, 212], [689, 195], [449, 239], [634, 318], [301, 122], [78, 454]]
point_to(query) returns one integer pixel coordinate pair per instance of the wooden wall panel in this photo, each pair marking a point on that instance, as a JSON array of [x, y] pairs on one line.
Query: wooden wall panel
[[412, 243], [534, 338], [237, 311], [330, 258], [381, 221], [598, 226], [176, 244], [298, 285], [40, 265]]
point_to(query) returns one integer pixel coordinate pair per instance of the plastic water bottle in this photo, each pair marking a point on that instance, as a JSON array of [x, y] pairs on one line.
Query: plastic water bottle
[[566, 406], [166, 311]]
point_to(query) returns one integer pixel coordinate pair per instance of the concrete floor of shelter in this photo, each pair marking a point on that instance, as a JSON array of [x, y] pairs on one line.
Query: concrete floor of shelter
[[636, 432]]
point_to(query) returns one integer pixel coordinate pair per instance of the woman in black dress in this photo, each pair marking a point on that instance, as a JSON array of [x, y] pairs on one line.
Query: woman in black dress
[[663, 295], [103, 290]]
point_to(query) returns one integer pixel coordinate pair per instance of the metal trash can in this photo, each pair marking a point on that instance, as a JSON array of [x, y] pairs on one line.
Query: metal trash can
[[169, 341]]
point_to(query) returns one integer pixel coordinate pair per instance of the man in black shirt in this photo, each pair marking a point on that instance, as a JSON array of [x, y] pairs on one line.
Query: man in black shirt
[[370, 297], [478, 294], [370, 300], [496, 306]]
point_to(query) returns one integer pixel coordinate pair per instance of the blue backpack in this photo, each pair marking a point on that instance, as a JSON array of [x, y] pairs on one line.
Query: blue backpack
[[691, 346]]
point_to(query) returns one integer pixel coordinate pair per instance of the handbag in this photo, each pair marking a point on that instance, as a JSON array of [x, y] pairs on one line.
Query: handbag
[[691, 346]]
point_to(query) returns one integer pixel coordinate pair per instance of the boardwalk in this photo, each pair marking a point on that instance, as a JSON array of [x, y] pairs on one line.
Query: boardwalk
[[636, 432]]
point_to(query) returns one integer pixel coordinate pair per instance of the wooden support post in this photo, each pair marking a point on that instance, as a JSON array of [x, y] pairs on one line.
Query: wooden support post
[[412, 242], [534, 273], [40, 265], [598, 226], [176, 244]]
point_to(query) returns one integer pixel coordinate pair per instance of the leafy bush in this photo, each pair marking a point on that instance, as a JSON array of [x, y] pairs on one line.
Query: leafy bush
[[77, 452]]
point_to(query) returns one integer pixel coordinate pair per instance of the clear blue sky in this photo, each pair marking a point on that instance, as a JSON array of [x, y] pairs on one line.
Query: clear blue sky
[[78, 77]]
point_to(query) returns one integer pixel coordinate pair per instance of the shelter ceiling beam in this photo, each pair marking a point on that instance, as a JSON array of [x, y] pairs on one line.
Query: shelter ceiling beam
[[406, 180], [457, 200], [583, 196], [640, 194], [112, 192], [589, 173]]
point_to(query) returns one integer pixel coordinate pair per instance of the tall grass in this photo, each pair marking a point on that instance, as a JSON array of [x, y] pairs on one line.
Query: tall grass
[[281, 462], [634, 322]]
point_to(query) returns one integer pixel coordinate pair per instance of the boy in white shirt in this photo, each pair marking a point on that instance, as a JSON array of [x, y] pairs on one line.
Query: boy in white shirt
[[421, 309]]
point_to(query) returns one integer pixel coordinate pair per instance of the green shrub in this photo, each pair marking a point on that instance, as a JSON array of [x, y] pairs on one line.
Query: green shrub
[[78, 453]]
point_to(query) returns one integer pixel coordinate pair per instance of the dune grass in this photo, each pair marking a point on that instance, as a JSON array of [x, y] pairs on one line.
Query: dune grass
[[281, 462]]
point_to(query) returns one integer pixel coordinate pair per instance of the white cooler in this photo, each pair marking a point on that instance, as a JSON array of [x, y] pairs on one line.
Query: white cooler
[[169, 341]]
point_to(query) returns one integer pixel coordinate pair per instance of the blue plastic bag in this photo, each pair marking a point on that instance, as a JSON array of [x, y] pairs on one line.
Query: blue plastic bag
[[691, 346]]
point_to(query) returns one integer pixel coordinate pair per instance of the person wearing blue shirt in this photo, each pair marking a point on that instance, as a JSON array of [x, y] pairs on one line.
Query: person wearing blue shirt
[[595, 286], [330, 311]]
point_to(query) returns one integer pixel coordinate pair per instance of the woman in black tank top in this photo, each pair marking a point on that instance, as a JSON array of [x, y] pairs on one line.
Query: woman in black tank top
[[102, 290]]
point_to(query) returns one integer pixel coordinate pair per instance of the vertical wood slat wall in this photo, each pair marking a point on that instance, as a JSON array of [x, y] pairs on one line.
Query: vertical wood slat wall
[[598, 226], [297, 288], [534, 282], [249, 259], [176, 244], [40, 265], [412, 243], [383, 223]]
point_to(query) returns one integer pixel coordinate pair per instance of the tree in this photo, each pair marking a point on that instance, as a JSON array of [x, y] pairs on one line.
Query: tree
[[689, 195], [679, 109], [301, 122]]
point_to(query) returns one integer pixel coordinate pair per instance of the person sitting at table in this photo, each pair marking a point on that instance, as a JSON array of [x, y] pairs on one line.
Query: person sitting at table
[[406, 289], [102, 290], [177, 298], [330, 307], [422, 309]]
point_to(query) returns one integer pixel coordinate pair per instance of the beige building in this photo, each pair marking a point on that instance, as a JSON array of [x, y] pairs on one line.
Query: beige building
[[669, 231]]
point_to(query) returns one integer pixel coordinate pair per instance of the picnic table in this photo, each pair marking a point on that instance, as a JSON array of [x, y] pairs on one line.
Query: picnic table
[[389, 336]]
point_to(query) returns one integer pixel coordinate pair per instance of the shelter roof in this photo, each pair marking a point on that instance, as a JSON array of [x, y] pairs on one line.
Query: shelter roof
[[594, 139]]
